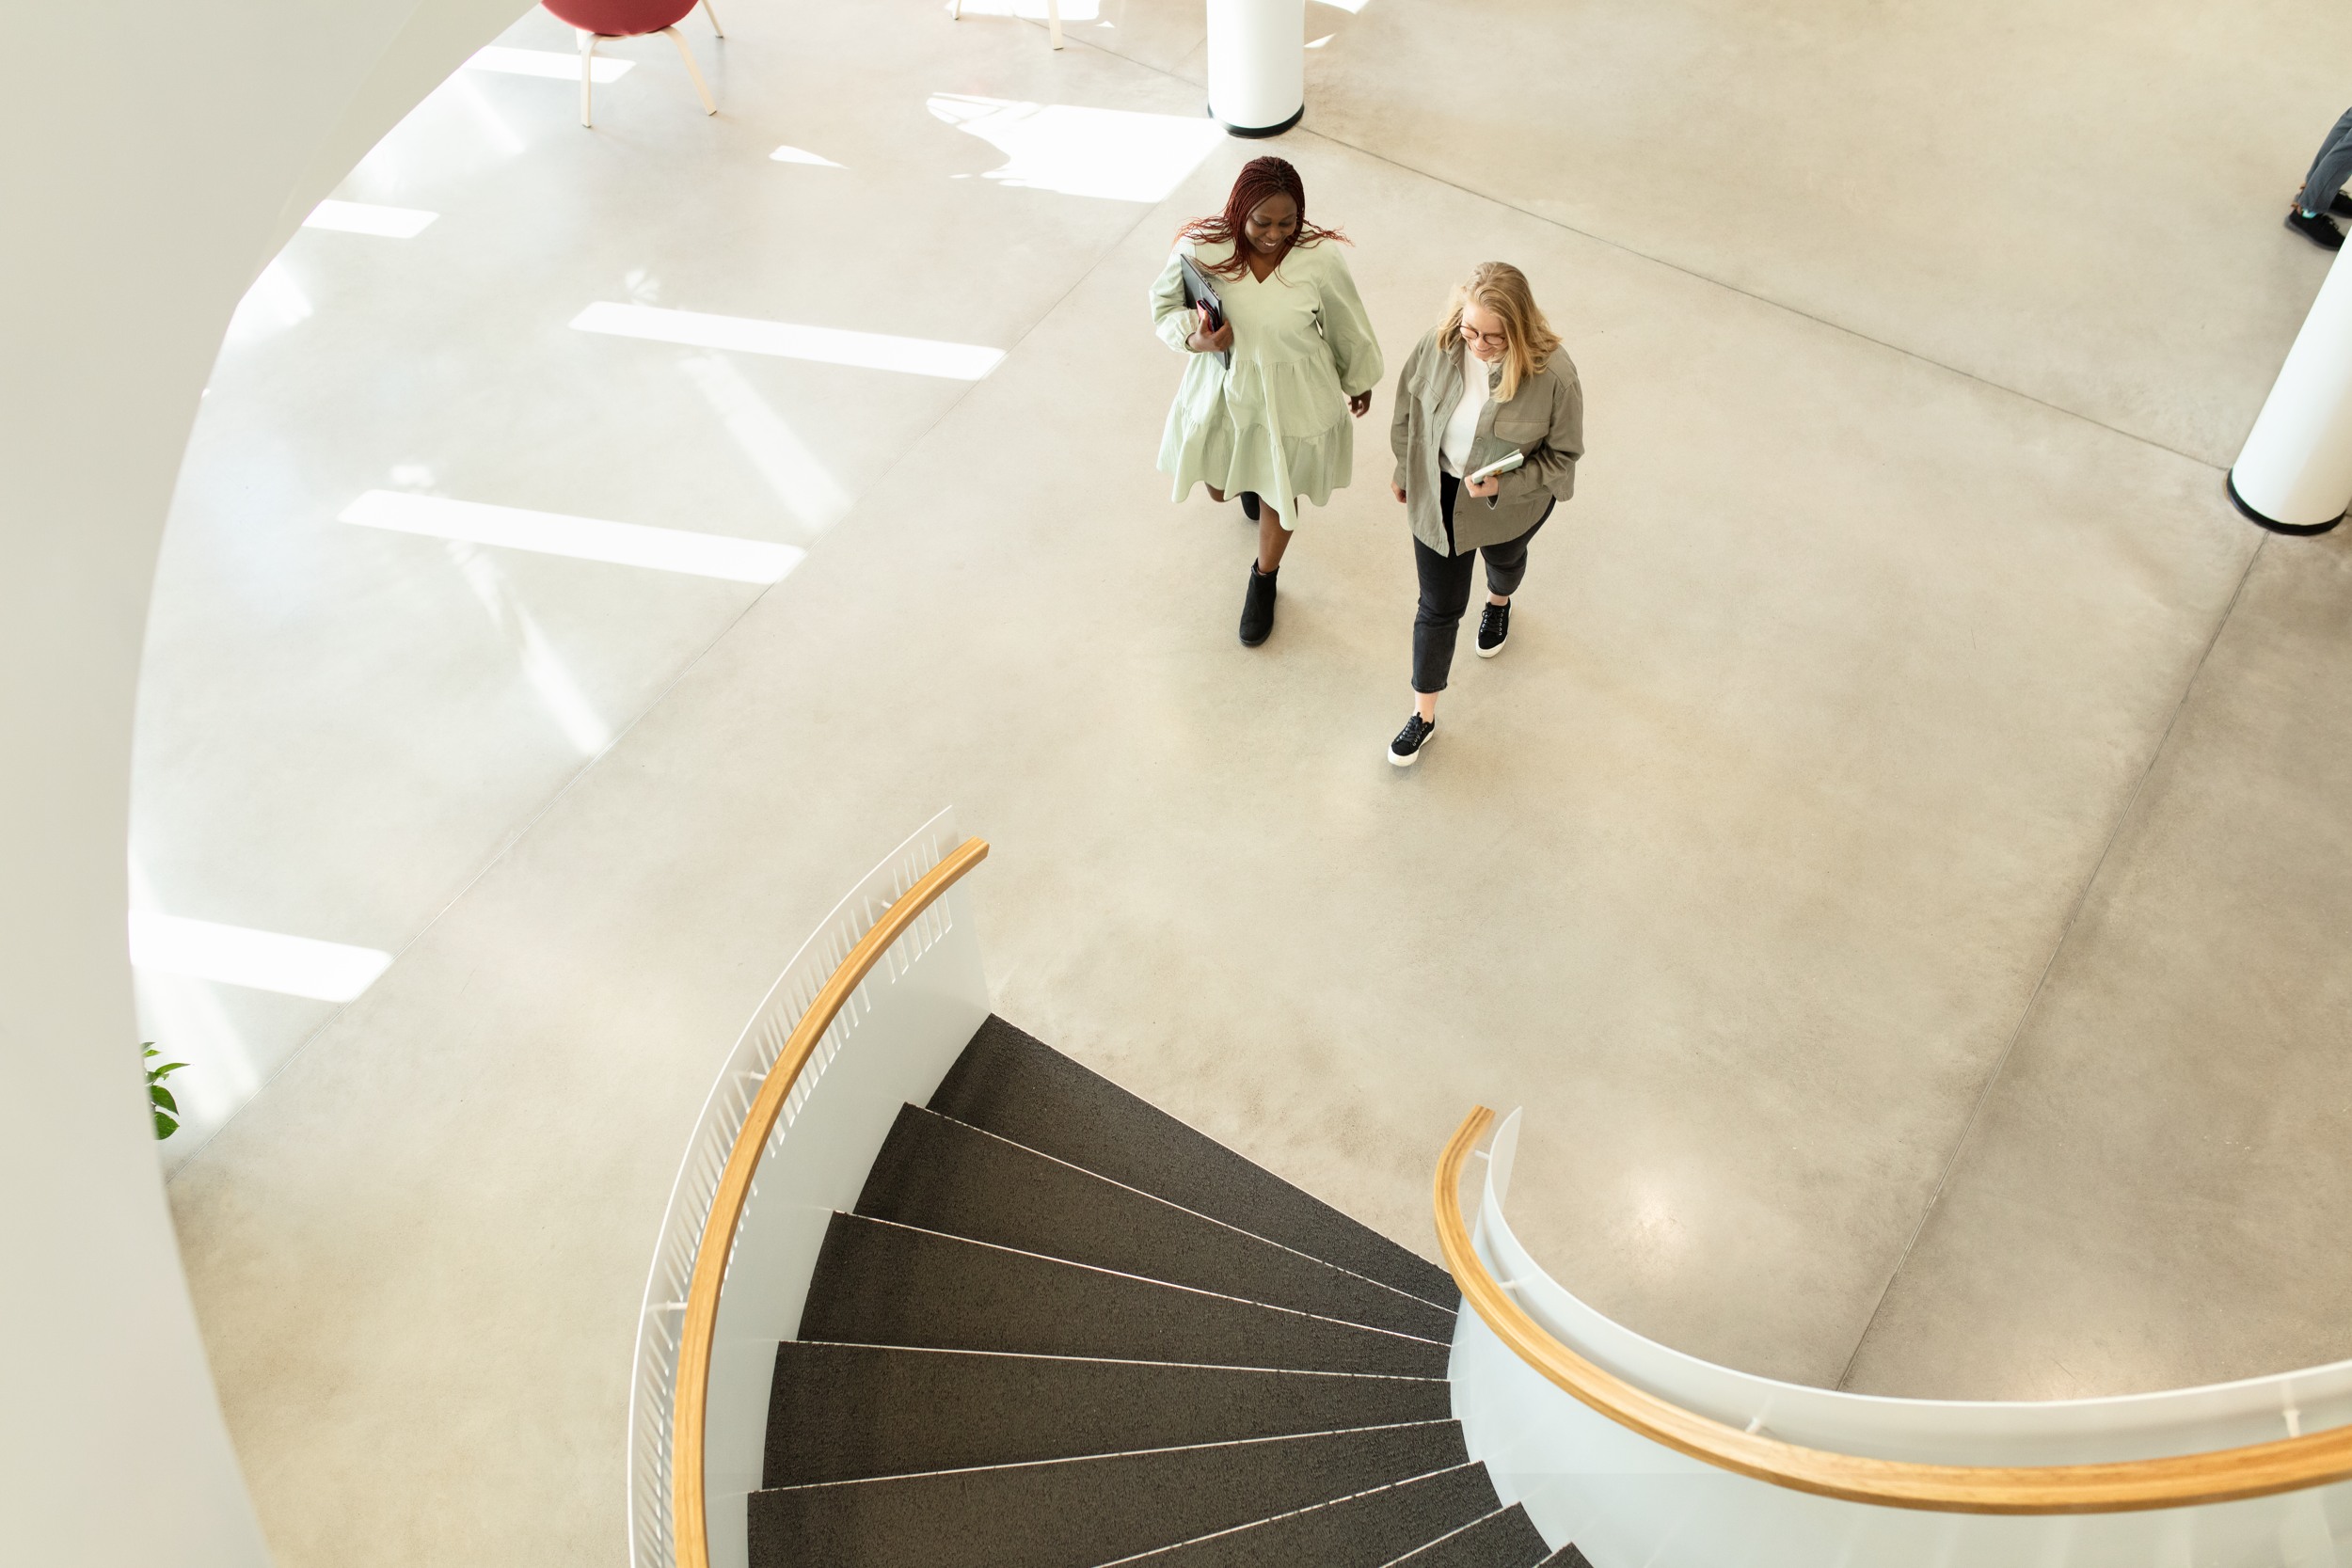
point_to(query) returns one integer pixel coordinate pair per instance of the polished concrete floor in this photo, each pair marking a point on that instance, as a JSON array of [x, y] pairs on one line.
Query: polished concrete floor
[[1896, 864]]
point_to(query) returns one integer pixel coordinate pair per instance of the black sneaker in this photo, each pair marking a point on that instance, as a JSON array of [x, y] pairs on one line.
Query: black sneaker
[[1494, 629], [2341, 205], [2317, 228], [1249, 504], [1257, 606], [1405, 750]]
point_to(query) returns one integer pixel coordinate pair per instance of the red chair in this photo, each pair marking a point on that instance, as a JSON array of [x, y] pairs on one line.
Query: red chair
[[629, 19]]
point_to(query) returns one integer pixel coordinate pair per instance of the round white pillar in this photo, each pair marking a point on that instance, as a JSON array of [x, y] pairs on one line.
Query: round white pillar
[[2295, 473], [1257, 65]]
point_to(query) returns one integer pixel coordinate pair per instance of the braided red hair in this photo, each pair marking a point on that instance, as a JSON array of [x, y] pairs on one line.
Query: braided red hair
[[1259, 179]]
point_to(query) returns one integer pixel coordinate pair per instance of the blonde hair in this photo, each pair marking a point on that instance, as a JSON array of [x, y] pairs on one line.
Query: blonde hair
[[1500, 287]]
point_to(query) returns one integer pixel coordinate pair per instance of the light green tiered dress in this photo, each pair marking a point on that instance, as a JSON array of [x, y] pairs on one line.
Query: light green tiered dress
[[1276, 422]]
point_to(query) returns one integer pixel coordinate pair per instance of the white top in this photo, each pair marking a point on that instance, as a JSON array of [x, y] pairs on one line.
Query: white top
[[1454, 449]]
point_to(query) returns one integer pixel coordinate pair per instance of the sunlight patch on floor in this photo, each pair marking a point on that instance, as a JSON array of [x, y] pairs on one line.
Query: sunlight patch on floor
[[366, 217], [1034, 10], [828, 345], [275, 303], [547, 62], [261, 961], [1116, 155], [666, 549]]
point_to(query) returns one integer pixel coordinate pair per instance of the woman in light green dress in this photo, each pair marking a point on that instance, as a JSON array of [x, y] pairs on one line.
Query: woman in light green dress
[[1274, 427]]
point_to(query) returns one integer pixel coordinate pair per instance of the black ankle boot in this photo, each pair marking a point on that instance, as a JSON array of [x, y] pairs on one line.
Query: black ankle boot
[[1257, 606], [1249, 507]]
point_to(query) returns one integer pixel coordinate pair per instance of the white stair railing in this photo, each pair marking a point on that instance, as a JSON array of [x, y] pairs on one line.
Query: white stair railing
[[891, 1041]]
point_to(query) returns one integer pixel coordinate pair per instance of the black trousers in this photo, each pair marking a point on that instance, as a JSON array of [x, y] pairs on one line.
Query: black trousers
[[1445, 588]]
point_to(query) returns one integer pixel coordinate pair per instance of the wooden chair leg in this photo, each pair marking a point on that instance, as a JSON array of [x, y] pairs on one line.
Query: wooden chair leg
[[710, 104], [1053, 21], [714, 19], [587, 74]]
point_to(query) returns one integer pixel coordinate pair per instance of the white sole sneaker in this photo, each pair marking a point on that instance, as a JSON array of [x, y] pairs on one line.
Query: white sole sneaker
[[1414, 755], [1489, 653]]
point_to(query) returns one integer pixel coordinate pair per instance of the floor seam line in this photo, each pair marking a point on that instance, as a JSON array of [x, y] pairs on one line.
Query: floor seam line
[[2058, 950], [1692, 272], [508, 845]]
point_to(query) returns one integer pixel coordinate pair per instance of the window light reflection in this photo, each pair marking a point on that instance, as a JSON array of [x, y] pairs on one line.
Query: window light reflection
[[275, 303], [827, 345], [1034, 10], [546, 62], [565, 703], [368, 217], [261, 960], [1117, 155], [501, 136], [810, 493], [801, 155], [667, 549]]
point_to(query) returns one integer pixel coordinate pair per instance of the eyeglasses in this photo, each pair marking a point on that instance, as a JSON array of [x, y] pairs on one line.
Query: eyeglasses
[[1489, 340]]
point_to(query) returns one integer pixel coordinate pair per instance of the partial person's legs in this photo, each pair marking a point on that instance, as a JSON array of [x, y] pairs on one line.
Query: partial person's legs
[[1445, 590], [1507, 564], [1257, 605], [1272, 538], [2331, 169], [2323, 189]]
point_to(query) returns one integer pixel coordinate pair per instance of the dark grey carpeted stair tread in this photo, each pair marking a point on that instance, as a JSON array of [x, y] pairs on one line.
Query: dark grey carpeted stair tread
[[1010, 1085], [850, 1412], [1079, 1513], [942, 1174], [1368, 1530], [877, 1283], [1504, 1539], [1567, 1557]]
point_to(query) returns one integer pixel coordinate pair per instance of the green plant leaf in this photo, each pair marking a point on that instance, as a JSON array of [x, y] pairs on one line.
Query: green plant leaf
[[166, 1126], [162, 1096], [157, 1075]]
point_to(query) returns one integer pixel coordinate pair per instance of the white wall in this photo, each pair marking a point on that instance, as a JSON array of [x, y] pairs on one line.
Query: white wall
[[152, 157]]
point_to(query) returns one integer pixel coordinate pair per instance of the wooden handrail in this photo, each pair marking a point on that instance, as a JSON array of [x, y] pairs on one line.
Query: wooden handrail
[[2180, 1481], [689, 1399]]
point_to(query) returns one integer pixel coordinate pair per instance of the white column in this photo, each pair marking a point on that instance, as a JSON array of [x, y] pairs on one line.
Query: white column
[[1257, 65], [2295, 474]]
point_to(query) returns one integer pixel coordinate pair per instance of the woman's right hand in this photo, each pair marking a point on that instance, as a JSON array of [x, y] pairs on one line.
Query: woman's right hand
[[1398, 491], [1205, 342]]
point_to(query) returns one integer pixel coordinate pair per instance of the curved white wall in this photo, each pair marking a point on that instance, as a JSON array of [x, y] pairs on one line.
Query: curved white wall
[[155, 158]]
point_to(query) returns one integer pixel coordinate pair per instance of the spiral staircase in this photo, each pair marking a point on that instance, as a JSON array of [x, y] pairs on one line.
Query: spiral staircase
[[1062, 1329]]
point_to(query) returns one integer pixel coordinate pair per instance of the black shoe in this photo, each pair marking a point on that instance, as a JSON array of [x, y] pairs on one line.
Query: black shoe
[[1257, 606], [2341, 205], [1405, 750], [1494, 629], [1249, 504], [2316, 228]]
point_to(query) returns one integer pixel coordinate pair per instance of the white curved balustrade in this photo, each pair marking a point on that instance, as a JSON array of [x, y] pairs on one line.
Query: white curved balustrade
[[892, 1043], [1629, 1502]]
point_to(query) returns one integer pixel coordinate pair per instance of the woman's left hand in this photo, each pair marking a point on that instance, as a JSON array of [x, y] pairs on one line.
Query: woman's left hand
[[1485, 488], [1360, 404]]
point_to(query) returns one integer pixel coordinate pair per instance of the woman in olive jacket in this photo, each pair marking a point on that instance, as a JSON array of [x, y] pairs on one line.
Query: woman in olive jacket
[[1490, 381]]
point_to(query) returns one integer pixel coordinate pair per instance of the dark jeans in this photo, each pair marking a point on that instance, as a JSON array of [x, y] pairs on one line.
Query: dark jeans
[[1445, 588]]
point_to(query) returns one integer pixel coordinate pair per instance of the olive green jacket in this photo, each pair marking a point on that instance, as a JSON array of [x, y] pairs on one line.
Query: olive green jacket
[[1546, 421]]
